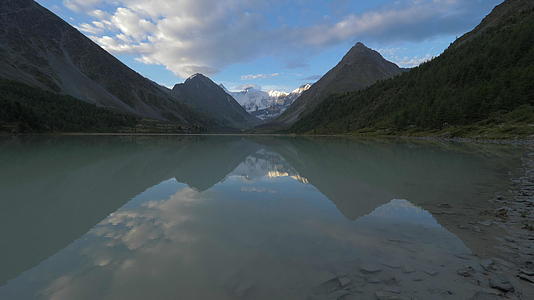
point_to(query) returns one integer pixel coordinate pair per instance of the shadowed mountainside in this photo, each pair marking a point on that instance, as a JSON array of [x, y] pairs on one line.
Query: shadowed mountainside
[[359, 68], [205, 96], [40, 49]]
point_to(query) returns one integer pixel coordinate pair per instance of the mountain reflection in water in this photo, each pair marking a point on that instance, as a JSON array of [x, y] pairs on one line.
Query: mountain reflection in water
[[224, 217]]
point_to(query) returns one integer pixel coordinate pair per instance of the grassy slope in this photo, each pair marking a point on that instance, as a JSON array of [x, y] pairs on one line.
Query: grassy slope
[[482, 87]]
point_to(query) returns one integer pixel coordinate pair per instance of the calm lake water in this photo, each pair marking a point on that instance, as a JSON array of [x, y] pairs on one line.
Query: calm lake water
[[225, 217]]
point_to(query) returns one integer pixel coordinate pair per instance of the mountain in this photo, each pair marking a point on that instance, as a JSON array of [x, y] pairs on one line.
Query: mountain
[[204, 95], [267, 105], [41, 50], [482, 85], [359, 68]]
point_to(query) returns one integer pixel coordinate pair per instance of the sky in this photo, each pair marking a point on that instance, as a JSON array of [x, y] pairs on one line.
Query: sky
[[269, 44]]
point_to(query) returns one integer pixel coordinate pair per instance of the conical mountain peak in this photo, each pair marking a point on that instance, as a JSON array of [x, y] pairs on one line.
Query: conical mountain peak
[[359, 68], [360, 45], [197, 77], [359, 52]]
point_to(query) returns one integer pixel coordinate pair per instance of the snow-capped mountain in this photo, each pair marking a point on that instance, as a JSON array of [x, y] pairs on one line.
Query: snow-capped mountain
[[266, 104]]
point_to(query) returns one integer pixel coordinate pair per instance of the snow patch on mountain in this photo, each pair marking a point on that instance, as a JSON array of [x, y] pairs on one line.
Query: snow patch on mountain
[[266, 105]]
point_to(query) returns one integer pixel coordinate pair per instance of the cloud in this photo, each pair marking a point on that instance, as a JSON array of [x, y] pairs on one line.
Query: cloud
[[259, 76], [89, 28], [410, 62], [414, 20], [99, 14], [132, 25], [95, 27], [205, 36]]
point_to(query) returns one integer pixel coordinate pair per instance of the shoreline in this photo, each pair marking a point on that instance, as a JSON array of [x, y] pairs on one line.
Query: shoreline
[[504, 141]]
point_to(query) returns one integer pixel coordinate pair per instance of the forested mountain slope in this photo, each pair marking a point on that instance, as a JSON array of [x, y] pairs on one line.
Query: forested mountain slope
[[485, 78]]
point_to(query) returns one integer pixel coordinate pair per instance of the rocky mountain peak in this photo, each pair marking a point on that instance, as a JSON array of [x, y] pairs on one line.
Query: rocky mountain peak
[[359, 68], [360, 45], [198, 78], [360, 52]]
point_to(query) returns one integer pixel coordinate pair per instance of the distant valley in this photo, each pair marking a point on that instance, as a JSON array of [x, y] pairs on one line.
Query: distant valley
[[54, 79]]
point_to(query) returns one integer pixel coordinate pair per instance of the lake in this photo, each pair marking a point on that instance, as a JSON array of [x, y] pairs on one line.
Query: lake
[[236, 217]]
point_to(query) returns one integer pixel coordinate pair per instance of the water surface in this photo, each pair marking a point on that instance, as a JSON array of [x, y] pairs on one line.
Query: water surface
[[236, 217]]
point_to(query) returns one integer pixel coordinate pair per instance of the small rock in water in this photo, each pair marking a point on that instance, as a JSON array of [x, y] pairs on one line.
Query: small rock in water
[[417, 279], [486, 223], [487, 264], [526, 277], [431, 272], [528, 272], [394, 290], [502, 212], [466, 271], [344, 281], [501, 283], [445, 205], [374, 280], [391, 280], [370, 268]]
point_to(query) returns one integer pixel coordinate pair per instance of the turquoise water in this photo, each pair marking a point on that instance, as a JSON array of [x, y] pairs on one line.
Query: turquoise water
[[233, 217]]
